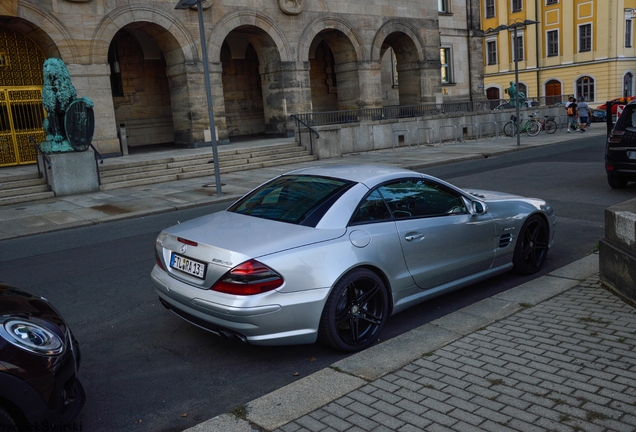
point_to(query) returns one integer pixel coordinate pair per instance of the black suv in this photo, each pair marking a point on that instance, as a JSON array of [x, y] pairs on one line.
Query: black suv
[[620, 149]]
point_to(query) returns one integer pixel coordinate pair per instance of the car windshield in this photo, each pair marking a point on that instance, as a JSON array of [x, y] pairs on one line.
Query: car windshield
[[296, 199]]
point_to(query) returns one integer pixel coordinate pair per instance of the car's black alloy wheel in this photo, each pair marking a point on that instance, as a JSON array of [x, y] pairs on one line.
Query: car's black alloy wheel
[[355, 311], [532, 246]]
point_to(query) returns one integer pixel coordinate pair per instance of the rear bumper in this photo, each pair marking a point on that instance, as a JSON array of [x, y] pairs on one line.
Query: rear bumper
[[270, 318]]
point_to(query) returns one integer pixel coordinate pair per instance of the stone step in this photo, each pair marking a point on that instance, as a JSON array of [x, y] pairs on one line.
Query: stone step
[[13, 183], [27, 190], [136, 176], [133, 170], [26, 198], [138, 182]]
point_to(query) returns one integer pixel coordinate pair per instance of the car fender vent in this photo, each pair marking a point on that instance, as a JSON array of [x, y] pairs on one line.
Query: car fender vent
[[505, 240]]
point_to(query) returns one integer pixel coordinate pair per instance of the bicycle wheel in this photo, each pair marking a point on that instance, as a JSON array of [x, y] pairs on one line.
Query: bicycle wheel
[[550, 126], [509, 129], [533, 127]]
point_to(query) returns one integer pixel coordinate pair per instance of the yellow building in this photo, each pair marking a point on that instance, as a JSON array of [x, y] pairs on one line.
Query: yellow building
[[581, 48]]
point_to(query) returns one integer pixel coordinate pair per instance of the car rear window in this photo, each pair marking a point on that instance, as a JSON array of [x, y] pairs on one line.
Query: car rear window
[[627, 119], [296, 199]]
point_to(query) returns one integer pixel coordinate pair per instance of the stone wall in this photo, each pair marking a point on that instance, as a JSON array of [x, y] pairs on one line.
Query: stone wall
[[368, 135], [617, 251]]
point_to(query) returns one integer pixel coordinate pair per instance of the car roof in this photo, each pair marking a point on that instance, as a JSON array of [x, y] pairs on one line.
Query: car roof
[[372, 174]]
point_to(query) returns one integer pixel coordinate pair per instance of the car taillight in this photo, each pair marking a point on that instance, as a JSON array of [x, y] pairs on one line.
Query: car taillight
[[251, 277], [158, 260]]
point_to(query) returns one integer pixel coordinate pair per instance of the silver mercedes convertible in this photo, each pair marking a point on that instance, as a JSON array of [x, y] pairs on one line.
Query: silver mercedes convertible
[[330, 253]]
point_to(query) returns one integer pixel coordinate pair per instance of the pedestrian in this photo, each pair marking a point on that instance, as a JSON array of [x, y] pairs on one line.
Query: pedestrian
[[583, 111], [570, 107]]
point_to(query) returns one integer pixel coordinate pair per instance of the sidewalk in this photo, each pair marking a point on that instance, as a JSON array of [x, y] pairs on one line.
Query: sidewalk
[[555, 354], [25, 219]]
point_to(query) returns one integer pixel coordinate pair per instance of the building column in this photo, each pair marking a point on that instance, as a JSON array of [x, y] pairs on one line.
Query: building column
[[93, 81], [370, 76]]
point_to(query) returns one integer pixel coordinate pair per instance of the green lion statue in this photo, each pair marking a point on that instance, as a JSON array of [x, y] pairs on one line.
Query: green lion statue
[[58, 94]]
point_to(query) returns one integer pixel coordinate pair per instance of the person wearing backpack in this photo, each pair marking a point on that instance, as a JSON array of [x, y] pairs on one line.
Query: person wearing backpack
[[570, 106]]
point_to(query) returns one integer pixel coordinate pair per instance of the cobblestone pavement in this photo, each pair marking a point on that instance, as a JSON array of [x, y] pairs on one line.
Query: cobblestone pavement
[[566, 364]]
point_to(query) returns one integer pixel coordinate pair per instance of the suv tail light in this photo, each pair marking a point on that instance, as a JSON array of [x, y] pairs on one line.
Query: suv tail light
[[251, 277]]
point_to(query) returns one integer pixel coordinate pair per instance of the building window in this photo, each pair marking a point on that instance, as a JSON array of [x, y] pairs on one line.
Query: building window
[[585, 88], [628, 33], [585, 37], [442, 6], [549, 2], [628, 84], [491, 52], [517, 48], [490, 8], [517, 5], [445, 58], [553, 43]]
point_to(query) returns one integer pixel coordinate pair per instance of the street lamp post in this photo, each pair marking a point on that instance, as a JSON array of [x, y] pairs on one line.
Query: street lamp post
[[187, 4], [514, 26]]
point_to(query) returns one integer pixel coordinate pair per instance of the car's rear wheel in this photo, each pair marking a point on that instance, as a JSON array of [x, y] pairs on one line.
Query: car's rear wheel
[[532, 246], [616, 182], [355, 312]]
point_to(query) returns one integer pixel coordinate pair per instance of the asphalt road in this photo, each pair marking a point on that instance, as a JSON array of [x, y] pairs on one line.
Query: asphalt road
[[145, 369]]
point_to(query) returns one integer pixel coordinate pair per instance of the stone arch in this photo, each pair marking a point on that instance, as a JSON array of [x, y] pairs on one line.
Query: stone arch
[[307, 40], [399, 49], [243, 20], [175, 40], [48, 33]]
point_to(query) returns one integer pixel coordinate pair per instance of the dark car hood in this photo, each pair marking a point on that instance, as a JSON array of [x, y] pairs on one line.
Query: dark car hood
[[18, 302]]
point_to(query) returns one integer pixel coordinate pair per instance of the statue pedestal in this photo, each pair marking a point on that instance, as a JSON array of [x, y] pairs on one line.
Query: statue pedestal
[[73, 173]]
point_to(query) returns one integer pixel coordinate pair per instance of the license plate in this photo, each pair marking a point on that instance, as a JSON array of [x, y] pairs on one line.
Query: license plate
[[187, 265], [631, 154]]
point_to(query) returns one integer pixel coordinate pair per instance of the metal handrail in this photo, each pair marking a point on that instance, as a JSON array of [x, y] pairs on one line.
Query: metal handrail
[[96, 154], [44, 159], [300, 136]]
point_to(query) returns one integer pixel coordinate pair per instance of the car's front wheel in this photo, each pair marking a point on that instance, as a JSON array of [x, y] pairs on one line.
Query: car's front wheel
[[532, 246], [356, 311]]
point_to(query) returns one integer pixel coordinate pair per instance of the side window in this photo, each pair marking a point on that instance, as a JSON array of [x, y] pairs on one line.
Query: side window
[[372, 208], [411, 198]]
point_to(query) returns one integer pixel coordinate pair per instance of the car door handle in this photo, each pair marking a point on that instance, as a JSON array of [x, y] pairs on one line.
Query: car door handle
[[413, 236]]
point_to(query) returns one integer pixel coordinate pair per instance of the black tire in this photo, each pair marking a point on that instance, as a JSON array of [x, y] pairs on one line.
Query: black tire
[[6, 421], [355, 312], [533, 128], [509, 129], [532, 246], [550, 126], [616, 182]]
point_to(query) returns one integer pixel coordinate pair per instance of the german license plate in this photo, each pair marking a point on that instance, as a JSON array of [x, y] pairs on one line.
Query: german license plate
[[631, 154], [187, 265]]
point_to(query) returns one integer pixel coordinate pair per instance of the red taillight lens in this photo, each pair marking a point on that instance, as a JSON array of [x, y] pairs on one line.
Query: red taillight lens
[[158, 260], [249, 278]]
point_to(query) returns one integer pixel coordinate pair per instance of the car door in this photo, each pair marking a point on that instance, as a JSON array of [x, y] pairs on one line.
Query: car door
[[441, 240]]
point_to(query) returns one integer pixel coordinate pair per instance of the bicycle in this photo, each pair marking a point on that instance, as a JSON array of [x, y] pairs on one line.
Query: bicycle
[[532, 127], [547, 122]]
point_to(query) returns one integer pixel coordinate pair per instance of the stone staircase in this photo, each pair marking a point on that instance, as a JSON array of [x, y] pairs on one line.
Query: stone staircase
[[162, 167], [23, 188], [181, 167]]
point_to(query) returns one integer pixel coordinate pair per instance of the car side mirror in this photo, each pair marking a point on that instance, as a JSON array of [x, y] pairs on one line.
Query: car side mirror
[[478, 208]]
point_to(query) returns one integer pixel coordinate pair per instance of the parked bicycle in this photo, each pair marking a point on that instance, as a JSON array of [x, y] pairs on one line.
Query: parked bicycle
[[531, 126], [547, 122]]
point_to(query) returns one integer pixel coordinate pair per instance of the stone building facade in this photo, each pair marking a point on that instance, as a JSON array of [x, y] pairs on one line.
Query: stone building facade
[[141, 61]]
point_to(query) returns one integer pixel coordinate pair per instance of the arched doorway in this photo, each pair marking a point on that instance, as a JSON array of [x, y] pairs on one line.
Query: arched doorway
[[140, 88], [21, 110], [253, 90], [493, 95], [553, 92], [400, 57]]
